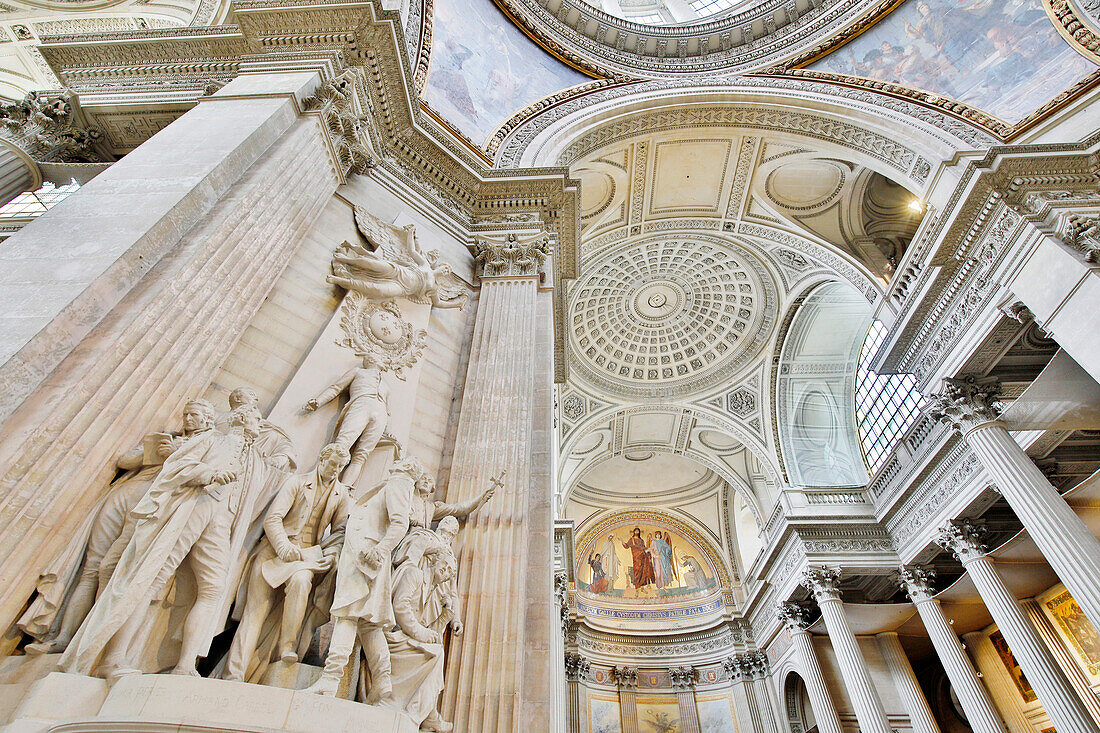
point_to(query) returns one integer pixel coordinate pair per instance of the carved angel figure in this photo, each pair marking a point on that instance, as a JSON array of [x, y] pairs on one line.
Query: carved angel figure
[[396, 267]]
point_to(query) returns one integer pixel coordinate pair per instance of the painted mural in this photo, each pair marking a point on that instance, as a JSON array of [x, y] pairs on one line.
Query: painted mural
[[1079, 630], [483, 69], [659, 715], [716, 714], [998, 55], [603, 715], [1013, 667], [644, 561]]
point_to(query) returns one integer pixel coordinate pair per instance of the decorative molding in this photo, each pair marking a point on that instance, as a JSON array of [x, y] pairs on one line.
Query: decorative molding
[[512, 256]]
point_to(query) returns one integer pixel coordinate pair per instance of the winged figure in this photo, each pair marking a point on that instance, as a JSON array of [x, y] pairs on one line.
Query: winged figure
[[396, 267]]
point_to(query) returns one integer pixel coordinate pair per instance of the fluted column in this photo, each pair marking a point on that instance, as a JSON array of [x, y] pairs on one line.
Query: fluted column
[[758, 668], [798, 626], [824, 583], [1065, 709], [627, 678], [905, 681], [683, 682], [1063, 656], [496, 678], [982, 716], [1065, 541], [576, 671]]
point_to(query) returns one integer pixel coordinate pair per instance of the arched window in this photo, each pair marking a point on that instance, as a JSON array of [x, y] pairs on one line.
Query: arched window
[[886, 404]]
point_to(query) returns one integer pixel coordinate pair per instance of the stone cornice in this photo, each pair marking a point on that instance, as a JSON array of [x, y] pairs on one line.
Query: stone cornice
[[176, 67], [949, 274]]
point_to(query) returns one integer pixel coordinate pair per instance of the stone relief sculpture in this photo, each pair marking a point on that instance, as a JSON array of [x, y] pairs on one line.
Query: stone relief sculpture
[[77, 590], [273, 444], [425, 567], [396, 267], [188, 516], [303, 535], [385, 342], [362, 606]]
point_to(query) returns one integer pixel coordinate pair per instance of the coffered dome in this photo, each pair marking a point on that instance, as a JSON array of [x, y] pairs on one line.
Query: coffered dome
[[670, 316]]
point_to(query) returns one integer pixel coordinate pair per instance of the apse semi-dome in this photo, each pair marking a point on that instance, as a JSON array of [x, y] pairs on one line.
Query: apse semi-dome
[[670, 315]]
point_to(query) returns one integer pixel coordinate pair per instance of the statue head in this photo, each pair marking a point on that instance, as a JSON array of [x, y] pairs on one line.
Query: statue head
[[198, 415], [246, 418], [410, 465], [331, 462], [425, 484], [444, 568], [448, 529], [243, 396]]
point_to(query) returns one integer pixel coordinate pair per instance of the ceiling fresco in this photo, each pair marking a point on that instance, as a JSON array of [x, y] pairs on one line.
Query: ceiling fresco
[[997, 55], [483, 68]]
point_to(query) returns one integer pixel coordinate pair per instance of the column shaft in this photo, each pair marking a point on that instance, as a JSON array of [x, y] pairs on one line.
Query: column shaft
[[1065, 709], [905, 680], [689, 713], [628, 710], [485, 677], [973, 697], [1066, 543], [824, 712], [853, 668], [1062, 655], [769, 722], [999, 683]]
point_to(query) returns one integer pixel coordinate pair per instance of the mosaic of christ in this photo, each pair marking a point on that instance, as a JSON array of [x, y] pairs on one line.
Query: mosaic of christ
[[643, 561]]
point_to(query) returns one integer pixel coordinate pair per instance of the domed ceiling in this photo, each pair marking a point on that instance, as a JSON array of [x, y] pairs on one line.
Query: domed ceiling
[[668, 12], [669, 315]]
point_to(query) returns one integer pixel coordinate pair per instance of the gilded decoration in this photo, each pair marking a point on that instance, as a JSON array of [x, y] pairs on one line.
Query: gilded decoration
[[646, 565]]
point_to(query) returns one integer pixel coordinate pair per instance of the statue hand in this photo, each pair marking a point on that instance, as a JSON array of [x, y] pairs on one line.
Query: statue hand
[[310, 406], [224, 477], [456, 627], [327, 561], [372, 558], [488, 494], [165, 447], [427, 636], [289, 553]]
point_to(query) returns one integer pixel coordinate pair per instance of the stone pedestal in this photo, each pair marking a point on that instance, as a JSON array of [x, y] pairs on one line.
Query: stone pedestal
[[79, 704]]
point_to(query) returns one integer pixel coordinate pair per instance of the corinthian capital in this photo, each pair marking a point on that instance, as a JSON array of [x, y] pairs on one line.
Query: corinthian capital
[[682, 678], [793, 616], [966, 403], [823, 582], [919, 583], [626, 677], [49, 127], [512, 256], [964, 539]]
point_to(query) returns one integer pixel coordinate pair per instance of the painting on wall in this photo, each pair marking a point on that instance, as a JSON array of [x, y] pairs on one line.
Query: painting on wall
[[483, 69], [1012, 666], [1078, 629], [603, 715], [716, 714], [659, 715], [643, 560], [1001, 56]]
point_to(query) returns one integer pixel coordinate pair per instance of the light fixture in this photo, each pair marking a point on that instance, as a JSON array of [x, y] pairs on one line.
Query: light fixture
[[916, 205]]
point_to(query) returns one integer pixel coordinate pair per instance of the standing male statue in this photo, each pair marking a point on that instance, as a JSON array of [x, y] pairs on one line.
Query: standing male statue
[[142, 465], [273, 444], [362, 605], [293, 553], [364, 417], [186, 515]]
